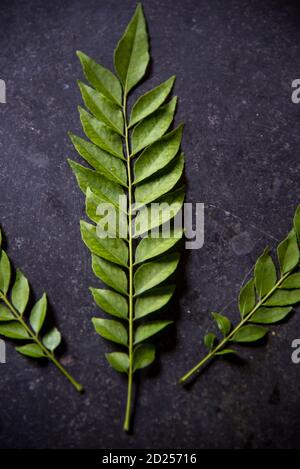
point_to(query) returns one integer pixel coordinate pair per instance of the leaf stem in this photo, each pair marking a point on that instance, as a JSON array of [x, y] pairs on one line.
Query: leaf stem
[[130, 268], [36, 339], [226, 339]]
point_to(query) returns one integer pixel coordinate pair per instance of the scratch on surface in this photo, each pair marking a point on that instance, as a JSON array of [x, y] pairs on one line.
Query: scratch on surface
[[246, 276], [273, 129], [237, 217], [233, 215], [227, 305]]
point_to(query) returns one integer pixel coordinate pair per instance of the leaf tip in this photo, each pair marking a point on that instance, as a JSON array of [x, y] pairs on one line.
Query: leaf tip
[[139, 7], [172, 79], [81, 110], [71, 135], [80, 84], [83, 223], [71, 163], [80, 55]]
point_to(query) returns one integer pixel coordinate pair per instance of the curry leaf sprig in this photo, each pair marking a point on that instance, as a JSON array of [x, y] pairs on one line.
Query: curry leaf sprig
[[134, 156], [267, 298], [17, 325]]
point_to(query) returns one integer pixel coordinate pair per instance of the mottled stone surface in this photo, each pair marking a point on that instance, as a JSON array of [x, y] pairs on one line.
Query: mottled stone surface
[[234, 62]]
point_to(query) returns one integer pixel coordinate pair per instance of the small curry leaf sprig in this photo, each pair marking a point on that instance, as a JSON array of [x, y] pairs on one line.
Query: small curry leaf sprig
[[267, 298], [17, 325]]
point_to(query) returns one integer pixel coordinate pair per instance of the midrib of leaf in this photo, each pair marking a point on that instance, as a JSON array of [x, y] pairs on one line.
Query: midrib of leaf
[[130, 268], [125, 95], [226, 339], [36, 339]]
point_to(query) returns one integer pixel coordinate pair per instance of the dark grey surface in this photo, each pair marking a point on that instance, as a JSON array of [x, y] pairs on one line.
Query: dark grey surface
[[234, 62]]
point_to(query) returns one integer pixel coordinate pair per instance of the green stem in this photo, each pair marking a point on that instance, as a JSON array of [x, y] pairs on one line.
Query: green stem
[[36, 339], [226, 339], [130, 267]]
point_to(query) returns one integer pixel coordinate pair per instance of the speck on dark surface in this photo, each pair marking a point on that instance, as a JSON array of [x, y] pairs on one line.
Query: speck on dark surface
[[234, 62]]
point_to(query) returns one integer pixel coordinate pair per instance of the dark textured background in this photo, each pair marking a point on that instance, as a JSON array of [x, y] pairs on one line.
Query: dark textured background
[[234, 61]]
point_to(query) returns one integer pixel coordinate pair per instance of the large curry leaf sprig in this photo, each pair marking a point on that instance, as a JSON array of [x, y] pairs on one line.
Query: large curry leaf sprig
[[29, 328], [267, 298], [132, 155]]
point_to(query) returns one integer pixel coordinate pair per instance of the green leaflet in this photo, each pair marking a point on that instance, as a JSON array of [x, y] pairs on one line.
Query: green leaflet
[[102, 108], [264, 274], [14, 330], [135, 161], [270, 315], [38, 314], [296, 223], [103, 187], [158, 155], [149, 218], [153, 127], [159, 185], [131, 55], [31, 350], [247, 298], [111, 302], [283, 298], [153, 300], [143, 355], [223, 323], [148, 329], [100, 134], [293, 281], [4, 272], [5, 314], [153, 247], [249, 334], [119, 361], [288, 253], [153, 273], [226, 351], [111, 330], [92, 205], [150, 101], [110, 274], [265, 299], [20, 292], [209, 340], [109, 219], [17, 323], [111, 249], [104, 163], [101, 78], [52, 339]]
